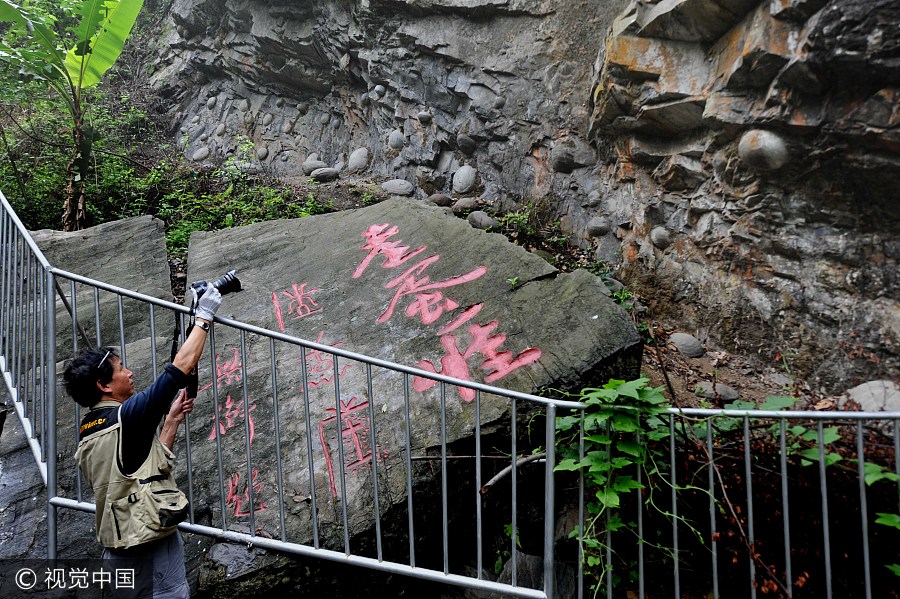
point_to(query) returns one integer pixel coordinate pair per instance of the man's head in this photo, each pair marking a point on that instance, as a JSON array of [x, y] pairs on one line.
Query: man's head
[[95, 374]]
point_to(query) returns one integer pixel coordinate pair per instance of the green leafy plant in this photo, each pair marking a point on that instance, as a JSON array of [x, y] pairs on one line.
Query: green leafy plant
[[39, 46], [518, 223], [623, 426]]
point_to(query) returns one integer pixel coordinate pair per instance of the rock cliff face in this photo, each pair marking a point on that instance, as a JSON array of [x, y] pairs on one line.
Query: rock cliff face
[[736, 158], [754, 158]]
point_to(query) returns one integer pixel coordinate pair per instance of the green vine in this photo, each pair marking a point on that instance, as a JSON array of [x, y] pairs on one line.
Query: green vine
[[623, 425]]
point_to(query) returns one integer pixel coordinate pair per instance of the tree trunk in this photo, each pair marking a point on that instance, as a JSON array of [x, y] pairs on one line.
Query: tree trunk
[[74, 215]]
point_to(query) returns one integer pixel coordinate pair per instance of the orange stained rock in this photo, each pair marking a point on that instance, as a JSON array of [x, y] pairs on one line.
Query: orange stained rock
[[678, 67]]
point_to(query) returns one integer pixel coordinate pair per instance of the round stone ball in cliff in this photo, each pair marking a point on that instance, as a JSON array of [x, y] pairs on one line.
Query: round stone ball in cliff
[[396, 139], [324, 174], [398, 187], [358, 161], [660, 237], [687, 345], [598, 226], [482, 220], [464, 179], [465, 144], [312, 165], [763, 150]]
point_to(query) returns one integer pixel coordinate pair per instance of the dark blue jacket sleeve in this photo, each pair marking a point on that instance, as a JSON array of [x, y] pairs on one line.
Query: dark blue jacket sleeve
[[142, 412]]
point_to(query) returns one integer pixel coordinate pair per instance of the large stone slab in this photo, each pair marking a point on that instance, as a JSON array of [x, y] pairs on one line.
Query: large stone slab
[[402, 281], [130, 254]]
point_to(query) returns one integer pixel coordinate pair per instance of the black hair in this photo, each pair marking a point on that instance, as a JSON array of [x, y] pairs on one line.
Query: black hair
[[84, 370]]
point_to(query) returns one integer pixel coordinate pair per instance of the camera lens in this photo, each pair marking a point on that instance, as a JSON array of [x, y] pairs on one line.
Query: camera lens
[[228, 283]]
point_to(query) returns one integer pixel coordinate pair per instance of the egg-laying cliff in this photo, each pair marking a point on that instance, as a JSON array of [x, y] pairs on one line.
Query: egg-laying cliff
[[737, 159]]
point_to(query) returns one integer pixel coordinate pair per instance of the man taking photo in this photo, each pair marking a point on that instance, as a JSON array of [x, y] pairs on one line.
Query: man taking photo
[[130, 469]]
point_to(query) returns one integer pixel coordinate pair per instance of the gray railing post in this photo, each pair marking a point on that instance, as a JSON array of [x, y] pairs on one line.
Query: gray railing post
[[50, 411], [549, 507]]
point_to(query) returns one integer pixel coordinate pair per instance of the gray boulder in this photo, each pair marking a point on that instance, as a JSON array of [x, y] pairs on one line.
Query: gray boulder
[[687, 344], [399, 187], [464, 179], [325, 174], [482, 220], [312, 165], [358, 160], [876, 396]]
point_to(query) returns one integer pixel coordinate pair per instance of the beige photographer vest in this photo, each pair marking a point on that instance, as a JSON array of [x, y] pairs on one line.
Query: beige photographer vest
[[131, 509]]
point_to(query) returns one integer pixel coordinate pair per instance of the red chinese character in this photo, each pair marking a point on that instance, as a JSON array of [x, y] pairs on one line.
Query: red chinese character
[[409, 284], [301, 303], [430, 306], [226, 372], [227, 418], [377, 243], [454, 363], [319, 365], [235, 500], [354, 437]]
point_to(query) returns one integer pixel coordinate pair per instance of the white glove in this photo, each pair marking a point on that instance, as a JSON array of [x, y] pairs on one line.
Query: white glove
[[208, 303]]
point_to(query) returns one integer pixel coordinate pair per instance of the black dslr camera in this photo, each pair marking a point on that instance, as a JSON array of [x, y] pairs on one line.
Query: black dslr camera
[[228, 283]]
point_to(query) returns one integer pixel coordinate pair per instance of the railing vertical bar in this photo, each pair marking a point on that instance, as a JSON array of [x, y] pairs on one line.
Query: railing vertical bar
[[863, 507], [409, 488], [897, 453], [17, 307], [479, 532], [581, 508], [245, 397], [676, 574], [608, 549], [122, 330], [31, 280], [549, 503], [608, 556], [340, 443], [445, 533], [79, 493], [374, 449], [311, 464], [751, 534], [823, 486], [26, 338], [279, 473], [714, 545], [97, 316], [153, 349], [190, 468], [37, 302], [640, 529], [785, 509], [514, 536], [218, 424], [187, 421], [49, 383], [14, 364], [7, 292], [4, 267], [75, 323], [20, 325], [32, 408], [48, 346]]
